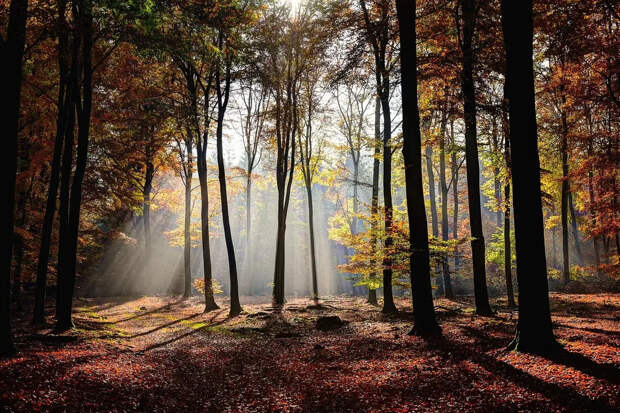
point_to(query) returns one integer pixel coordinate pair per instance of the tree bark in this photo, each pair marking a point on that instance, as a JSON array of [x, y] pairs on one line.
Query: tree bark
[[83, 105], [423, 311], [12, 53], [468, 9], [315, 288], [388, 299], [431, 189], [455, 197], [447, 282], [374, 206], [507, 244], [222, 101], [564, 202], [52, 195], [534, 330]]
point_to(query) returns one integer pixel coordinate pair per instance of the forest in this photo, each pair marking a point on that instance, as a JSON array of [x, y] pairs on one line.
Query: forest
[[310, 205]]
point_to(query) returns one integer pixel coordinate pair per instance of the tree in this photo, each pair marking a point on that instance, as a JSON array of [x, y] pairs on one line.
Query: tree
[[223, 95], [469, 10], [534, 330], [70, 202], [310, 154], [423, 310], [379, 33], [256, 101], [12, 51]]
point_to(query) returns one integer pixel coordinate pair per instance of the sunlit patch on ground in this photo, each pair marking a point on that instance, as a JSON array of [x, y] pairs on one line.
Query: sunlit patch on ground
[[165, 354]]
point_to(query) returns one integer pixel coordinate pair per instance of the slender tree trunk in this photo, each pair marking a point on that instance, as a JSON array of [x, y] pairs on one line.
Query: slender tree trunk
[[65, 185], [534, 330], [431, 189], [507, 243], [146, 212], [52, 194], [374, 206], [507, 248], [455, 197], [468, 8], [423, 311], [12, 53], [248, 232], [575, 229], [315, 288], [388, 299], [447, 282], [597, 254], [210, 303], [235, 305], [564, 203], [83, 108], [187, 241]]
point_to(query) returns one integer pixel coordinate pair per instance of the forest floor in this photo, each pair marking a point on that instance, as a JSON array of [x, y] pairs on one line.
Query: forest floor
[[164, 354]]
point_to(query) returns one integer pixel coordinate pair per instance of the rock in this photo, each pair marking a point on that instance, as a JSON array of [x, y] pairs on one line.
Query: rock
[[329, 323]]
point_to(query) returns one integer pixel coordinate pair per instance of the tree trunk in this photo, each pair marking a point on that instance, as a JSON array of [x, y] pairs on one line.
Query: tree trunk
[[374, 206], [210, 303], [52, 194], [248, 232], [315, 288], [423, 311], [507, 243], [455, 197], [235, 305], [471, 155], [222, 100], [388, 299], [146, 212], [65, 185], [534, 330], [564, 204], [431, 189], [187, 242], [575, 229], [12, 53], [447, 282], [83, 108]]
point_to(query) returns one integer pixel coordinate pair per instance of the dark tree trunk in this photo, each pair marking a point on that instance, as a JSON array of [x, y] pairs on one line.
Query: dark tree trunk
[[575, 229], [64, 106], [564, 203], [423, 311], [507, 244], [210, 303], [146, 211], [222, 100], [65, 181], [315, 287], [534, 330], [468, 9], [455, 197], [374, 206], [12, 54], [447, 282], [187, 241], [431, 189], [388, 299], [83, 106]]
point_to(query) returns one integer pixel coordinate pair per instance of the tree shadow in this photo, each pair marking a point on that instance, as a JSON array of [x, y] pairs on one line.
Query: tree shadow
[[162, 326], [189, 333], [560, 394]]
